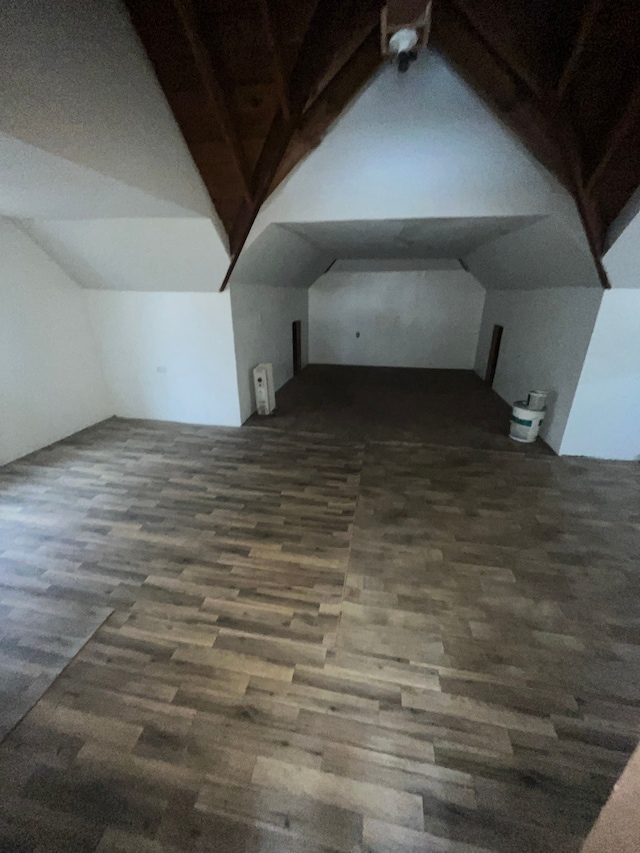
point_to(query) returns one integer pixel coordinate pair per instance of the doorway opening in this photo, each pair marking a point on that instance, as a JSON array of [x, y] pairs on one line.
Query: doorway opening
[[296, 339], [494, 352]]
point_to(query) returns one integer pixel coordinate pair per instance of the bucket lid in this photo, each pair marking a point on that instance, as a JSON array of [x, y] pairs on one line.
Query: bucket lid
[[528, 411]]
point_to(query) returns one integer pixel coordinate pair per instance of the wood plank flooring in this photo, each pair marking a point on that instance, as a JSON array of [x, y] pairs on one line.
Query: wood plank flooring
[[449, 407], [39, 636], [321, 644]]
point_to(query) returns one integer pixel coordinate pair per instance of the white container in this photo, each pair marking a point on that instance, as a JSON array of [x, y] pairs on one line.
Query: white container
[[525, 422], [537, 400]]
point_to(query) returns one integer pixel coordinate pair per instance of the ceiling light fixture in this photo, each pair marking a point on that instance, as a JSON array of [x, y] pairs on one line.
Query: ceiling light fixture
[[401, 44], [404, 28]]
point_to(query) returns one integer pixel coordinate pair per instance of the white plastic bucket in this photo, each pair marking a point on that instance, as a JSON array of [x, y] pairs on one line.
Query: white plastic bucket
[[537, 400], [525, 422]]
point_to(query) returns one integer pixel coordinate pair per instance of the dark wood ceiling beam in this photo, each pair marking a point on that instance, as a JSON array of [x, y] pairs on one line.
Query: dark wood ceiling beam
[[502, 79], [333, 22], [590, 216], [323, 40], [357, 37], [507, 94], [499, 47], [594, 231], [615, 137], [326, 108], [188, 20], [538, 120], [272, 153], [276, 57], [587, 23]]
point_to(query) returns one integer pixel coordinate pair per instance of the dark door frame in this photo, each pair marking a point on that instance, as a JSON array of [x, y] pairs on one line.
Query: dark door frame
[[494, 352], [296, 340]]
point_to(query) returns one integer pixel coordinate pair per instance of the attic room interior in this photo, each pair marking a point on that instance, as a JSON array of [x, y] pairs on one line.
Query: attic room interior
[[320, 426]]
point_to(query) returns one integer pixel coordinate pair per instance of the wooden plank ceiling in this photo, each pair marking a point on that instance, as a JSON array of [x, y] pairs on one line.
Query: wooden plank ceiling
[[255, 84]]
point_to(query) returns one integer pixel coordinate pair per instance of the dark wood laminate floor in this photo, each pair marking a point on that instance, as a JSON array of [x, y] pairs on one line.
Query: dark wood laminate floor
[[39, 636], [450, 407], [322, 644]]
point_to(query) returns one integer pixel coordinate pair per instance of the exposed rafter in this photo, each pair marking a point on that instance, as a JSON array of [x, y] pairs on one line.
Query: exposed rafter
[[589, 214], [325, 109], [507, 80], [187, 16], [321, 45], [489, 70], [276, 57], [615, 137], [501, 51], [362, 29], [255, 86], [587, 22]]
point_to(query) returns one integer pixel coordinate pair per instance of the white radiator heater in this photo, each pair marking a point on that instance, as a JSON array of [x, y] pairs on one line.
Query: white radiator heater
[[264, 388]]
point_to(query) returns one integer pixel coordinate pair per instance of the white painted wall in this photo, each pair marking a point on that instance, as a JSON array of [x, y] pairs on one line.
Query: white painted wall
[[280, 258], [605, 416], [420, 144], [36, 184], [87, 134], [76, 83], [135, 254], [51, 380], [351, 265], [545, 339], [168, 356], [629, 213], [622, 261], [544, 254], [428, 318], [262, 320]]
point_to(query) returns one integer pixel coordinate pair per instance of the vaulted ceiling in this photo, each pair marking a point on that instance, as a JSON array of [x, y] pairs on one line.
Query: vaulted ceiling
[[255, 84]]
